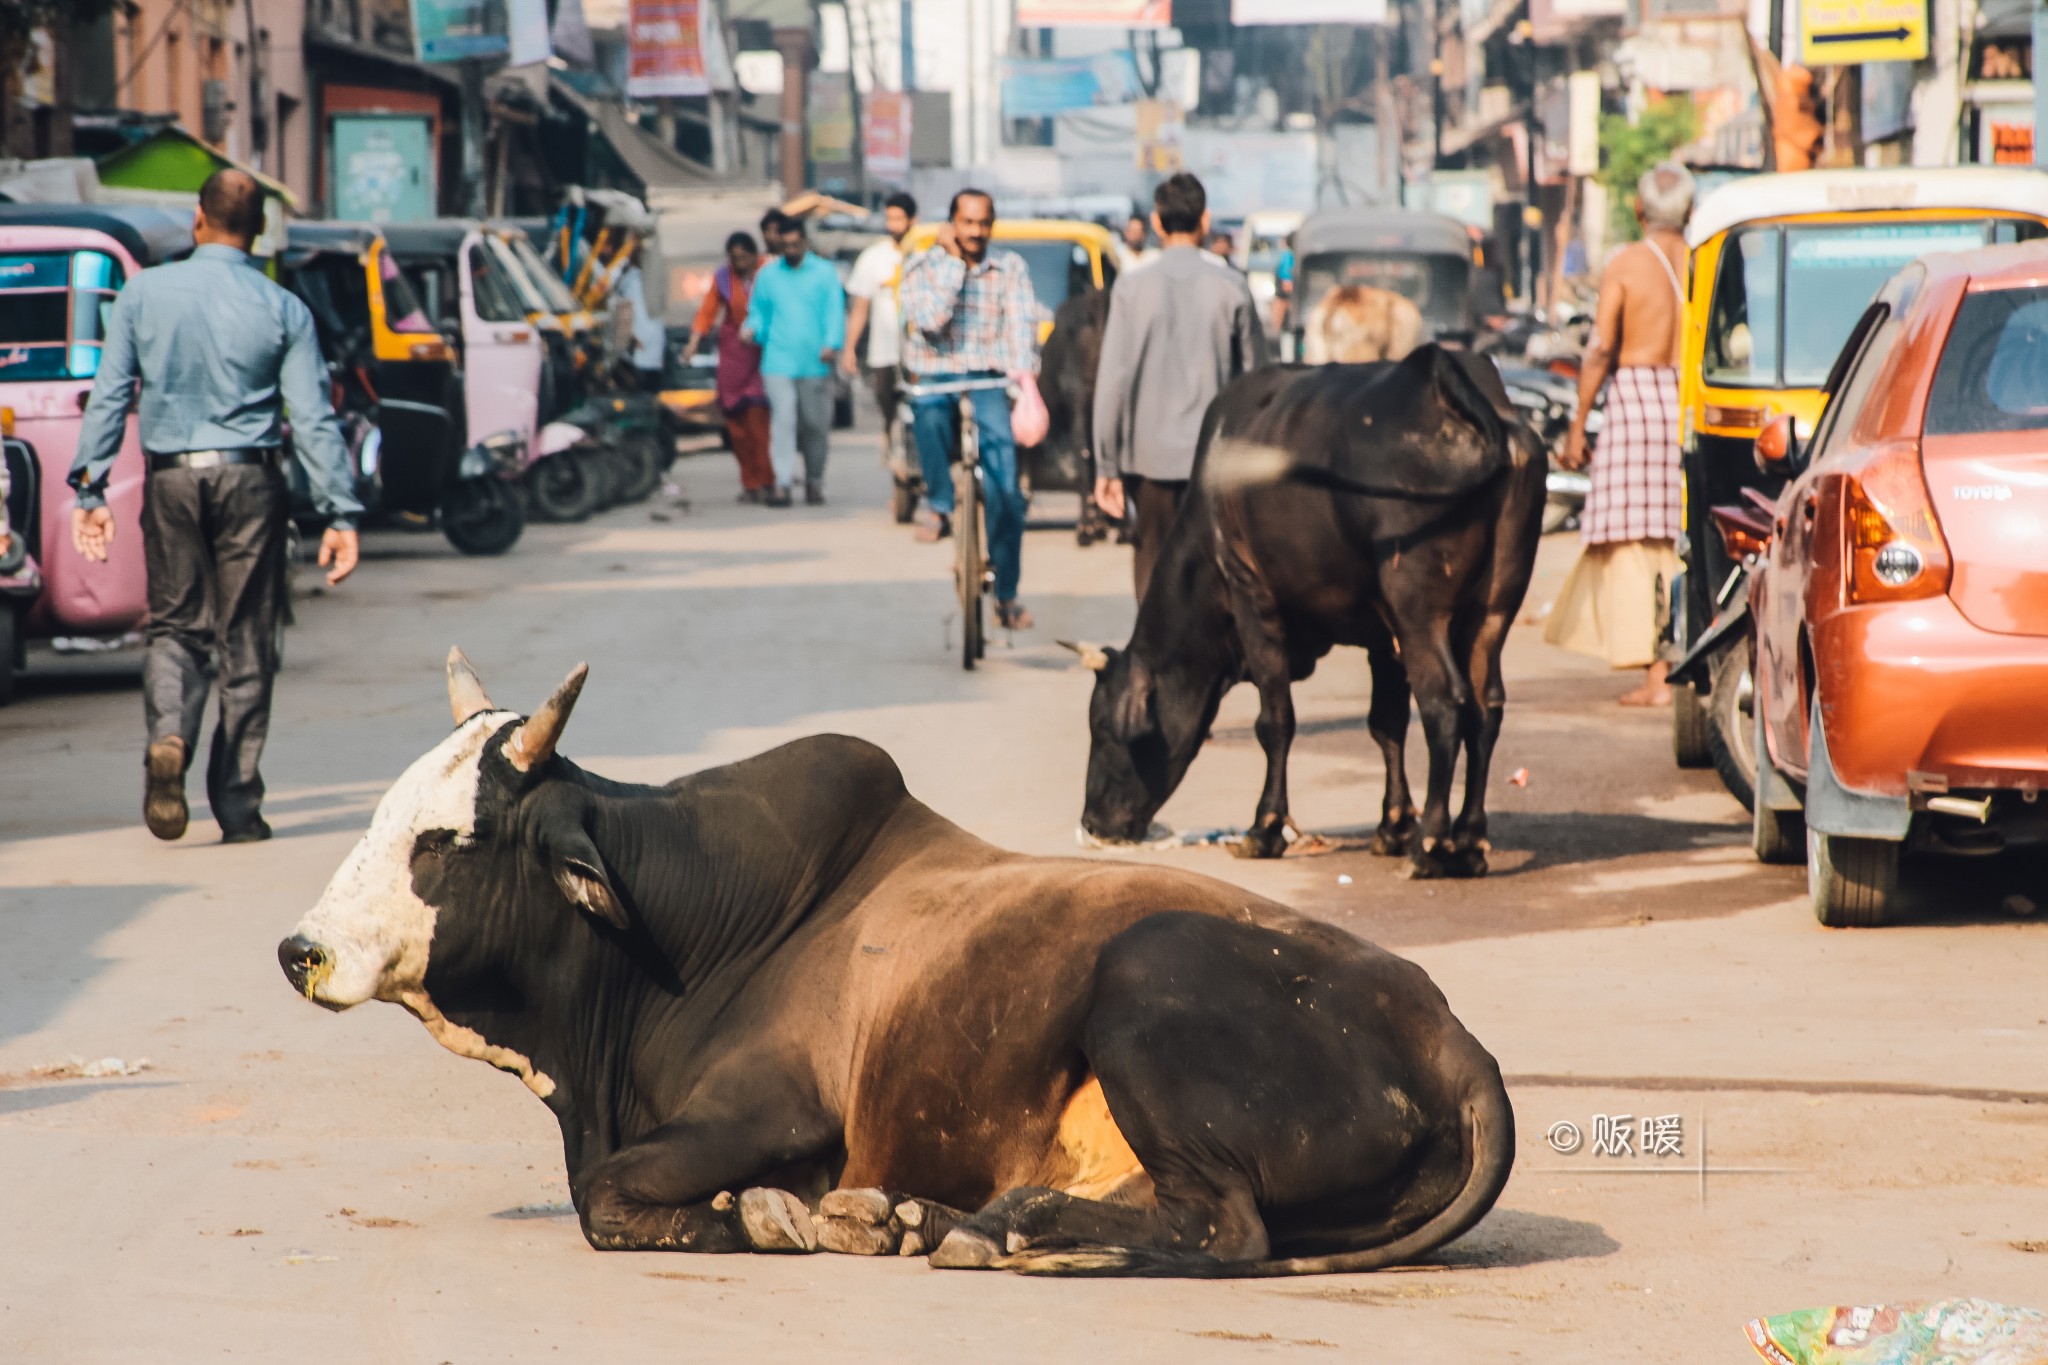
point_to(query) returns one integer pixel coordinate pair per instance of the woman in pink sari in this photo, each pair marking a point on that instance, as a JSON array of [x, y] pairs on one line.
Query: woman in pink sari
[[741, 397]]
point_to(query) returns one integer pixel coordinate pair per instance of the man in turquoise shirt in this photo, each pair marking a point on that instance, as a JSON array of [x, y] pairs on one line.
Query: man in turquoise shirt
[[797, 316]]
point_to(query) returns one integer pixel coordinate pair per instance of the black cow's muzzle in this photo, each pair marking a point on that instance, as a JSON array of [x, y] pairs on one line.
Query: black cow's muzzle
[[302, 960]]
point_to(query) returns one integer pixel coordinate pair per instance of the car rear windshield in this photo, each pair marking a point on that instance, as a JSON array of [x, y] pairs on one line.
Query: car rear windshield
[[1786, 297], [54, 307], [1993, 374]]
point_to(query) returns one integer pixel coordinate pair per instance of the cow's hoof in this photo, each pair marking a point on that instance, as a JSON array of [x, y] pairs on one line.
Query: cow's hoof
[[776, 1221], [964, 1249], [858, 1223], [1393, 840], [1443, 860], [1268, 841]]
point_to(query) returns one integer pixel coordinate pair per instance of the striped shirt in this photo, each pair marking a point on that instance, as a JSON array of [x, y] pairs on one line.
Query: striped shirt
[[960, 321]]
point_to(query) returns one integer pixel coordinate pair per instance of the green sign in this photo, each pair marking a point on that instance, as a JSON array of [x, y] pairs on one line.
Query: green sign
[[382, 167]]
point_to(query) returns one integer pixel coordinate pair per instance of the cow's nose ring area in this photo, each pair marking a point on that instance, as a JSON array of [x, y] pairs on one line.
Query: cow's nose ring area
[[301, 959]]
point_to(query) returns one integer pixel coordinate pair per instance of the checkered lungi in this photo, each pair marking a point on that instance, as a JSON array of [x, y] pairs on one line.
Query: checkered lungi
[[1635, 469]]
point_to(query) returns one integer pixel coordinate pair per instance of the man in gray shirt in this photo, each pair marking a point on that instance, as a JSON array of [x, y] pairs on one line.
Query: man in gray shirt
[[1178, 331], [219, 352]]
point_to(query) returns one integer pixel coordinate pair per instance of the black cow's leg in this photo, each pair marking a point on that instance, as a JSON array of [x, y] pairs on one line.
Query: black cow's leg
[[1443, 696], [713, 1184], [1265, 660], [1387, 721], [1468, 836]]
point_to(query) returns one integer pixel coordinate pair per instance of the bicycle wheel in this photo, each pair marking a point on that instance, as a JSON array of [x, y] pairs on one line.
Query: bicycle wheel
[[967, 552]]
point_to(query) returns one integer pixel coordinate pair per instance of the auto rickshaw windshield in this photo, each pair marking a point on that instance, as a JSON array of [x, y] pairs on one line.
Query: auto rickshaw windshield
[[1787, 296], [54, 307], [1058, 269], [496, 297], [402, 311]]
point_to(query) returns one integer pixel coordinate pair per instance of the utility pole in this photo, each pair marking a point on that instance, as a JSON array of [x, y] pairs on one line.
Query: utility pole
[[908, 10], [472, 70]]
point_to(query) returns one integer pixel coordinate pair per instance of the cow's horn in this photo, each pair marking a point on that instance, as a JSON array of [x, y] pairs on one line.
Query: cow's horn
[[466, 695], [1094, 658], [533, 743]]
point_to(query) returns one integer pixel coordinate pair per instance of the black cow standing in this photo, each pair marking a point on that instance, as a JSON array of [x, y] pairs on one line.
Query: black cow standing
[[1066, 380], [1392, 506]]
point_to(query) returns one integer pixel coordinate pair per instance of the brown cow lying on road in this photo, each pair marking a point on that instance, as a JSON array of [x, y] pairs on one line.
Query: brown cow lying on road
[[782, 1004], [1356, 324]]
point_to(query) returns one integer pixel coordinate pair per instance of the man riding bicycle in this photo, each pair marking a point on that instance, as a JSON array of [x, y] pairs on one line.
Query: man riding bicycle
[[969, 313]]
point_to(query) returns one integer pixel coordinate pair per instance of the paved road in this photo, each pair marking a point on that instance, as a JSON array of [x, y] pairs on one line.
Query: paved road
[[283, 1183]]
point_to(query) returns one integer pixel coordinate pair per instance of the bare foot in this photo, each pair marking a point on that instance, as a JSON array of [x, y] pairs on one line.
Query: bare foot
[[1647, 695]]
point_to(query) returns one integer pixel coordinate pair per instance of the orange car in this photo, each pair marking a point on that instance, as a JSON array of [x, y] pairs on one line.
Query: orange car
[[1901, 603]]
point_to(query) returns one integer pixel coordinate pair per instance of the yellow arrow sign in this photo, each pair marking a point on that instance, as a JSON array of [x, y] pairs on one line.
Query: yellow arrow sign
[[1844, 32]]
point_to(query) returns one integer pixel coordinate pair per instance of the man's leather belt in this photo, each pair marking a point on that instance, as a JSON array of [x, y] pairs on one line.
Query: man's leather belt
[[211, 459]]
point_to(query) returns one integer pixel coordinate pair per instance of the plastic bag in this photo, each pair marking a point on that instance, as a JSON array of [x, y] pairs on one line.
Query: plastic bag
[[1943, 1332], [1029, 421]]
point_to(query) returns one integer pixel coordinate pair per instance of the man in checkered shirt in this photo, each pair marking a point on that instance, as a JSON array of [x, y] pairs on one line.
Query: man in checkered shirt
[[969, 313], [1618, 598]]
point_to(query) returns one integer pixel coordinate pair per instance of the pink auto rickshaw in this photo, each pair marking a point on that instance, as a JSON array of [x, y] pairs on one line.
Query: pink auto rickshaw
[[60, 267]]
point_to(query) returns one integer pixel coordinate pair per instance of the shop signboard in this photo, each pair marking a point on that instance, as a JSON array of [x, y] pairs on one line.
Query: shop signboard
[[885, 143], [460, 30], [1848, 32], [665, 49], [1094, 13]]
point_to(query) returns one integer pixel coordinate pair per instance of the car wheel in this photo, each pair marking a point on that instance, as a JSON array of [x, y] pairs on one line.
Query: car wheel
[[1731, 721], [1689, 728], [1854, 882]]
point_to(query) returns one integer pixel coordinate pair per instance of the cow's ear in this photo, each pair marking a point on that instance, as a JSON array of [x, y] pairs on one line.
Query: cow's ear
[[579, 870], [1135, 714]]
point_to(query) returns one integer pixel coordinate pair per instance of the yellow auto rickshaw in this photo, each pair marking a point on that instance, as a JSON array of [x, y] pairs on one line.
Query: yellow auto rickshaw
[[1782, 266]]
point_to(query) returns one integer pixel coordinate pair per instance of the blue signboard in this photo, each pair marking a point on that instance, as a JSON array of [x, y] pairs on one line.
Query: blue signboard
[[1040, 87], [460, 30]]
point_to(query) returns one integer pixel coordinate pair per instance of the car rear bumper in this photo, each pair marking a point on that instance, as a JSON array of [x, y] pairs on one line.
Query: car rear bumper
[[1912, 695]]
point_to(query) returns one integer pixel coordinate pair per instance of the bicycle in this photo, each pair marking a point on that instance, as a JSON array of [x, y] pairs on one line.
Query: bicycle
[[972, 577]]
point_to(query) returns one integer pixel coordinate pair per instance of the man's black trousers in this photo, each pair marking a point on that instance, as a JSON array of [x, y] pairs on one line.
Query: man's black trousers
[[214, 544]]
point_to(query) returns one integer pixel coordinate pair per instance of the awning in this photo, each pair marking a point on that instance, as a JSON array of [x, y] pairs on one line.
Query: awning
[[657, 165], [173, 160]]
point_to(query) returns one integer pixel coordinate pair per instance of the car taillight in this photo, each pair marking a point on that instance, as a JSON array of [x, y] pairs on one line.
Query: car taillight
[[1894, 542]]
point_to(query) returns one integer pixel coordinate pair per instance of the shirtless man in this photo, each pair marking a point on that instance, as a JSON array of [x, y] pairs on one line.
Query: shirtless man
[[1617, 600]]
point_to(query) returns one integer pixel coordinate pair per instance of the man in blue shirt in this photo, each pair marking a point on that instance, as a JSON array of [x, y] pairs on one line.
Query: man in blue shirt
[[797, 316], [219, 353]]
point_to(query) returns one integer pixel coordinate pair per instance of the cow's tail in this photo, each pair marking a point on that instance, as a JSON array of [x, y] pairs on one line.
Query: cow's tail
[[1489, 1143]]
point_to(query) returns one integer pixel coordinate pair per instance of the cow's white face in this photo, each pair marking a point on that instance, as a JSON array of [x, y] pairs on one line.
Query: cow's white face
[[369, 937]]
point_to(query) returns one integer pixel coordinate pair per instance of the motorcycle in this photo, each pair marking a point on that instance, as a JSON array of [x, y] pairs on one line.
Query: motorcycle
[[409, 473], [1546, 399], [1719, 666]]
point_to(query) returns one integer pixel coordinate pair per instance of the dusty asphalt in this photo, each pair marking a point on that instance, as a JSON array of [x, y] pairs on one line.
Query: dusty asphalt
[[289, 1184]]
